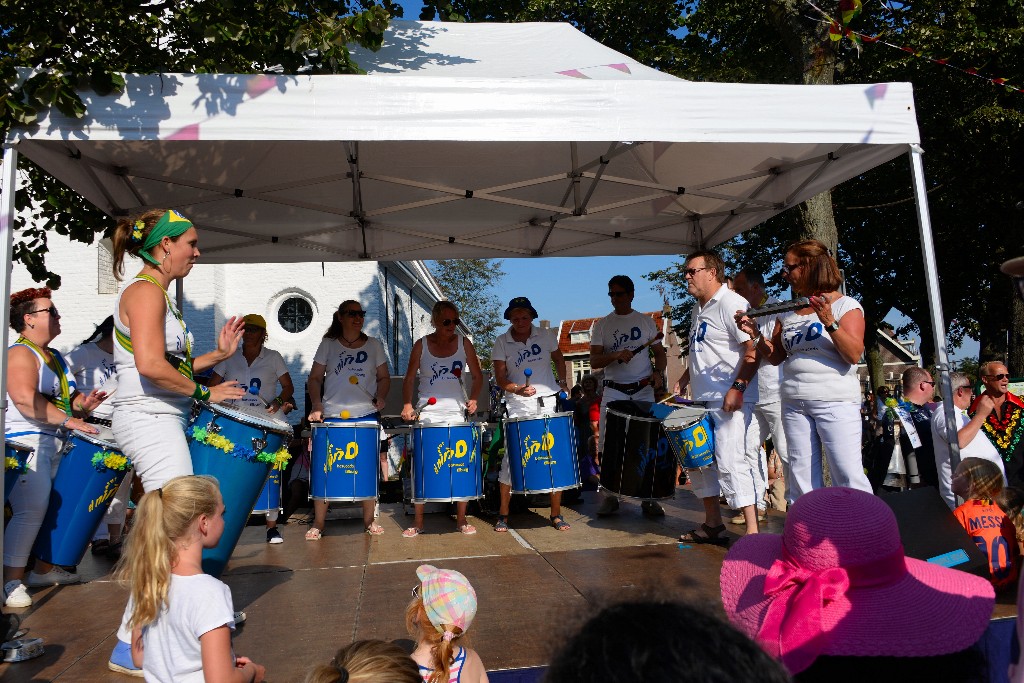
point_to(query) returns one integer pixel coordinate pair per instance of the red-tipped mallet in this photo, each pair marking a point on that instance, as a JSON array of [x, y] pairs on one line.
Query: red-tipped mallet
[[648, 343], [430, 402]]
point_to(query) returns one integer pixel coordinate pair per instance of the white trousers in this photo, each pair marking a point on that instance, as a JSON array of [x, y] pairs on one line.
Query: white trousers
[[734, 473], [766, 420], [815, 426], [30, 498]]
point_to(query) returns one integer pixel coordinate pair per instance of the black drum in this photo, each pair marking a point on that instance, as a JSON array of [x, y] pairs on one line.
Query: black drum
[[636, 461]]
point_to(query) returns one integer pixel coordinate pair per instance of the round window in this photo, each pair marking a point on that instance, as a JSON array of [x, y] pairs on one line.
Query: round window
[[295, 314]]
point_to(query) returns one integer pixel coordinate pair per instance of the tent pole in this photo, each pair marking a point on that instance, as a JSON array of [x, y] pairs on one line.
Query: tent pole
[[8, 185], [931, 276]]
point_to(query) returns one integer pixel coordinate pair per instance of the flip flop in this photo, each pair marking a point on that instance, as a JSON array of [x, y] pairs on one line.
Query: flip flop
[[467, 529], [502, 524], [313, 534], [559, 523], [412, 532], [375, 529], [712, 536]]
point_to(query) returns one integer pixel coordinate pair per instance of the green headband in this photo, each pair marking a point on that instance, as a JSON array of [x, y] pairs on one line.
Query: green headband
[[171, 224]]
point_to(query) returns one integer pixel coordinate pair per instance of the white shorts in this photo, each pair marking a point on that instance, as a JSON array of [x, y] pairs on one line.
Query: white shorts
[[155, 444]]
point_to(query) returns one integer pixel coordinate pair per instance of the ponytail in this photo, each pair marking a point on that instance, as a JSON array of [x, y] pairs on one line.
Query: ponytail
[[442, 648], [163, 517], [130, 235]]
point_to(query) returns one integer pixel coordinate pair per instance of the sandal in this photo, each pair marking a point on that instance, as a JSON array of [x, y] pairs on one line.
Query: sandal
[[712, 536], [559, 523], [468, 529], [502, 523], [314, 534], [412, 532], [374, 529]]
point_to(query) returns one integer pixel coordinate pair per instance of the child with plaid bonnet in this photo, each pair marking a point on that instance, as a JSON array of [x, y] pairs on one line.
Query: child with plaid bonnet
[[442, 608]]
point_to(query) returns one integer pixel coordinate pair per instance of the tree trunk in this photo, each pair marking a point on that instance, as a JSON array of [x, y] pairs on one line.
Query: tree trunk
[[819, 222], [1015, 353]]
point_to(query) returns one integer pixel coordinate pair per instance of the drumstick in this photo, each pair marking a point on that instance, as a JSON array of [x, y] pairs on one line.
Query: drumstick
[[648, 343], [781, 307], [430, 401], [457, 371], [354, 380], [529, 373]]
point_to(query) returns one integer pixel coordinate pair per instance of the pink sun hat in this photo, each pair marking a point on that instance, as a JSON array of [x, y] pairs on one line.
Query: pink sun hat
[[448, 597], [837, 583]]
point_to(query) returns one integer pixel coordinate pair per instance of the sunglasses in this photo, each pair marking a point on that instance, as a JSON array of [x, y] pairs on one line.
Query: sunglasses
[[690, 272], [416, 591], [52, 310], [356, 314], [252, 329], [1001, 375], [931, 383], [786, 269], [614, 294], [450, 321]]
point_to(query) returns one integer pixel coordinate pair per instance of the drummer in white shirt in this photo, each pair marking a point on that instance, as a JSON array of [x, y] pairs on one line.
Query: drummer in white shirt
[[259, 370], [524, 346]]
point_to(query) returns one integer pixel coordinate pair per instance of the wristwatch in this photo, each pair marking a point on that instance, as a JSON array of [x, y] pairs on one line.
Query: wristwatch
[[833, 327], [739, 385]]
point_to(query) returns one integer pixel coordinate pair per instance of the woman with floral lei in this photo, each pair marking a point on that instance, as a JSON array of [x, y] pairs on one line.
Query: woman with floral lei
[[1004, 418], [42, 400], [155, 365]]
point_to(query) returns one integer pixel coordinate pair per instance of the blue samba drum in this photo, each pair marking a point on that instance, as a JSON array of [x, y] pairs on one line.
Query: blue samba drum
[[446, 462], [542, 453], [16, 457], [270, 497], [636, 461], [344, 461], [225, 443], [690, 432], [91, 468]]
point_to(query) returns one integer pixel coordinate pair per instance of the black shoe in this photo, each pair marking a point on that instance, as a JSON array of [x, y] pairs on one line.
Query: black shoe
[[274, 536], [651, 508]]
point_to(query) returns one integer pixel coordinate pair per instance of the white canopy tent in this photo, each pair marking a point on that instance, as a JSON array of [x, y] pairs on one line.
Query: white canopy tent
[[470, 141]]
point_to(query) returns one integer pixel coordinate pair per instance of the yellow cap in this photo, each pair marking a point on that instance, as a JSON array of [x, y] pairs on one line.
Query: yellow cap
[[255, 319]]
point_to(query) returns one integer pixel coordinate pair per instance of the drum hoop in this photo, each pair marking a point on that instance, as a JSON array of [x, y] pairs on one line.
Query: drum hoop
[[19, 446], [642, 418], [95, 440], [537, 417], [339, 425], [276, 426], [448, 425]]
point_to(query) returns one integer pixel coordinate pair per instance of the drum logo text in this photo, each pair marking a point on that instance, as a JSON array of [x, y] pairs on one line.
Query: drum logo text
[[446, 455], [336, 455], [108, 492], [700, 439], [531, 445], [656, 454]]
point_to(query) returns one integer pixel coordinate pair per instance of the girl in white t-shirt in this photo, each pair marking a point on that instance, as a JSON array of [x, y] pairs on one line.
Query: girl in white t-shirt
[[821, 345], [181, 618]]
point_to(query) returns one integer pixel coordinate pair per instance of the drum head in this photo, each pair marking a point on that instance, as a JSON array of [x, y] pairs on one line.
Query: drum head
[[254, 417], [105, 439], [684, 416], [18, 446]]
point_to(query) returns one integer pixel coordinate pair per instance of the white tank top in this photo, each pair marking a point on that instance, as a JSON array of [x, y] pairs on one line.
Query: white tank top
[[438, 379], [15, 423], [135, 392]]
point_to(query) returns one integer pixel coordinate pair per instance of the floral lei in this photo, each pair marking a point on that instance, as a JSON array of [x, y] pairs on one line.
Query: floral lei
[[222, 443], [15, 465], [1005, 431], [110, 461]]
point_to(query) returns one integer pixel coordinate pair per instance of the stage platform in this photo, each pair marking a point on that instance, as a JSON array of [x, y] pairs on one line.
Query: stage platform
[[305, 599]]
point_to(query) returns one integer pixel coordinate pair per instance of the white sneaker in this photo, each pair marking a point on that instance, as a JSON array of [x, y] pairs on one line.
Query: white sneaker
[[54, 577], [16, 594]]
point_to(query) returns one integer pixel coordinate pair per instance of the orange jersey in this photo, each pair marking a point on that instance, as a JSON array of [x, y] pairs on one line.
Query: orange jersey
[[992, 530]]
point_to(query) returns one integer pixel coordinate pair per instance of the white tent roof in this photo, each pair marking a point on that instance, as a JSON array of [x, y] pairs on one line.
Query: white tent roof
[[466, 141]]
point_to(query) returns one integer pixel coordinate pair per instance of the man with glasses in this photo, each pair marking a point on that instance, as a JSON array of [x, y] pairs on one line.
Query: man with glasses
[[1003, 415], [973, 443], [628, 376], [914, 413], [722, 363]]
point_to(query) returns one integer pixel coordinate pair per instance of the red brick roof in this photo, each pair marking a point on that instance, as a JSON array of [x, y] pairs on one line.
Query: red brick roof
[[586, 324]]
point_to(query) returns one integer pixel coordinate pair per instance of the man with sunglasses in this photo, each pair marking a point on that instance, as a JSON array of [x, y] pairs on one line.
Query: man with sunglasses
[[972, 442], [615, 346], [914, 414], [1003, 414]]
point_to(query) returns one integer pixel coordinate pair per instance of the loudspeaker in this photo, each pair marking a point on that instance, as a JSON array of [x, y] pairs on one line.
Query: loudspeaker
[[930, 532]]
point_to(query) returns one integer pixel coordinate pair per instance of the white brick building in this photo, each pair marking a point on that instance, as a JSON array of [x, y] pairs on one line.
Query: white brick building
[[297, 300]]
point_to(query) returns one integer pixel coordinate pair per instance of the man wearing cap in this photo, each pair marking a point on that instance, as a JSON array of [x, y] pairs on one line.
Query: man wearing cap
[[259, 370], [615, 346], [525, 347]]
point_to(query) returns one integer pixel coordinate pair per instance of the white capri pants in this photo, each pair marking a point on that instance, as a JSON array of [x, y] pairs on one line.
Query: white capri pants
[[767, 419], [30, 497], [156, 445], [832, 426], [734, 473]]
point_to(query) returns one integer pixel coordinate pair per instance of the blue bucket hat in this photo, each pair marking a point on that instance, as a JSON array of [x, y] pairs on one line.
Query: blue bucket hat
[[520, 302]]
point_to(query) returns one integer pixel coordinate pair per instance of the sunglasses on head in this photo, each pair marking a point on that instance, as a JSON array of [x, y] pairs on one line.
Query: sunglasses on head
[[1001, 375], [356, 314], [450, 321]]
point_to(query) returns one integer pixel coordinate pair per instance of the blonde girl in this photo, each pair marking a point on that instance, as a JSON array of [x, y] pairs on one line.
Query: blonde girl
[[367, 661], [980, 482], [442, 608], [181, 618]]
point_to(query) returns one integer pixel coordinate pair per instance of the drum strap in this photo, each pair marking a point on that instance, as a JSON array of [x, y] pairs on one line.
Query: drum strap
[[57, 366], [628, 389], [182, 365]]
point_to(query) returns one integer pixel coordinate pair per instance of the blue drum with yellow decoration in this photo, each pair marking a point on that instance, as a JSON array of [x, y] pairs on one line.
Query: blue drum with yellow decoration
[[90, 470], [238, 447], [446, 462], [691, 434], [542, 453], [270, 497], [16, 457], [344, 460]]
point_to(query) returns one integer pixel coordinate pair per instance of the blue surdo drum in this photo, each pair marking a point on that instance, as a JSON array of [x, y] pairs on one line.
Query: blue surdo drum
[[90, 470], [270, 497], [235, 446], [542, 453], [446, 462], [344, 461], [691, 435], [16, 456]]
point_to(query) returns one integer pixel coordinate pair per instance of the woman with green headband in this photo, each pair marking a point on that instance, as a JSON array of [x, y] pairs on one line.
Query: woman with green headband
[[155, 365]]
